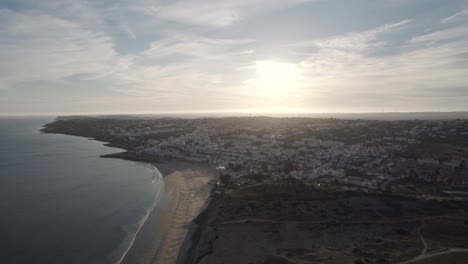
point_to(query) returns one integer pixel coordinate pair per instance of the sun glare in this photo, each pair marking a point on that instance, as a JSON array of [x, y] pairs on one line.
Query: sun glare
[[275, 78]]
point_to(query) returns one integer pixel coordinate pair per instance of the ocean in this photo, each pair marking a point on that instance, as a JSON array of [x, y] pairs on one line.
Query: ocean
[[61, 203]]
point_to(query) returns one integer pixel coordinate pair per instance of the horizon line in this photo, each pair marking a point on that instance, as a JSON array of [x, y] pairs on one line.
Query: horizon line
[[222, 112]]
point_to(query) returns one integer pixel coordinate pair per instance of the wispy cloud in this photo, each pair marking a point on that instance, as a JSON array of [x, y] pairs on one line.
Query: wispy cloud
[[213, 13], [194, 54], [344, 70], [41, 47], [441, 35], [194, 46], [127, 29], [455, 16], [360, 41]]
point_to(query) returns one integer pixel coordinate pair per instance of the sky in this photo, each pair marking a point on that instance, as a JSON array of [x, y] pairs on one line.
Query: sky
[[178, 56]]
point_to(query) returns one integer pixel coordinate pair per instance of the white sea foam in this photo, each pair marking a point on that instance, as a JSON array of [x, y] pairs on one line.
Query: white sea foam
[[119, 254]]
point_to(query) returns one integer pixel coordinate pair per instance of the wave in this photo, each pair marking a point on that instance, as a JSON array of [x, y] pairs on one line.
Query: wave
[[117, 256]]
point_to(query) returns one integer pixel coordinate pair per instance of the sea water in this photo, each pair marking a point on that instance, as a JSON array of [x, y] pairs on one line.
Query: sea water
[[61, 203]]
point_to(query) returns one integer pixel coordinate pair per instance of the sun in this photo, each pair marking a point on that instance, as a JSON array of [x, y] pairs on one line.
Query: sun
[[275, 78]]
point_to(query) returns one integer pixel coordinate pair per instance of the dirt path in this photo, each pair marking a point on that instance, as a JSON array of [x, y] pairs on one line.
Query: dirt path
[[385, 221], [421, 256], [423, 240], [426, 256], [192, 189]]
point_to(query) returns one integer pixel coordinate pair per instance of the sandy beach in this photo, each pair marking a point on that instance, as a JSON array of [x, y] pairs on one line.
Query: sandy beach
[[193, 190], [159, 240]]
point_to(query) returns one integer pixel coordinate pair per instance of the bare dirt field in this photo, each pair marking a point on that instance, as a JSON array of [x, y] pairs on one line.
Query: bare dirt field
[[294, 224]]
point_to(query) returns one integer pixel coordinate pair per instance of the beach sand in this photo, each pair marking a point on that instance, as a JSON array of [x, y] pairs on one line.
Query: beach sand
[[161, 237], [150, 236], [193, 190]]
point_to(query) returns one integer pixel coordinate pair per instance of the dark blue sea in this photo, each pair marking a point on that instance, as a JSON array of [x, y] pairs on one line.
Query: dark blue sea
[[61, 203]]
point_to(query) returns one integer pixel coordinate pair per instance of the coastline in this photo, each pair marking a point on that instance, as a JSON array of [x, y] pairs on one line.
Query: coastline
[[187, 190], [184, 181], [121, 252], [193, 190]]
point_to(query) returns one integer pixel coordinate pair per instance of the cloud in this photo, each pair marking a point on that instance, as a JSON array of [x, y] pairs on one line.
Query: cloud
[[201, 14], [41, 47], [188, 54], [127, 29], [441, 35], [213, 13], [344, 70], [454, 16], [194, 46], [360, 41], [205, 72]]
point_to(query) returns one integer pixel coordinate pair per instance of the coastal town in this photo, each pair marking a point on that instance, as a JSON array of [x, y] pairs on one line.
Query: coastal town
[[301, 190], [357, 155]]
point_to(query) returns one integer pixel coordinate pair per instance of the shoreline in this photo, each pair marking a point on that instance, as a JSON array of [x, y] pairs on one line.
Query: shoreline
[[161, 235], [193, 188], [144, 242], [127, 244]]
